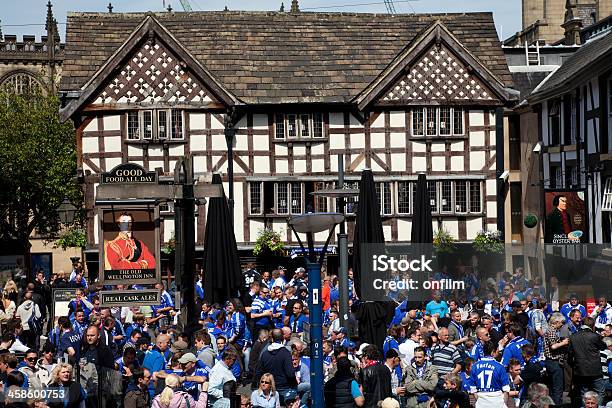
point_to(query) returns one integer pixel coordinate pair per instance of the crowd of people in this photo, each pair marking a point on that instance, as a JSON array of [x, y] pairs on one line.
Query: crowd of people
[[510, 342]]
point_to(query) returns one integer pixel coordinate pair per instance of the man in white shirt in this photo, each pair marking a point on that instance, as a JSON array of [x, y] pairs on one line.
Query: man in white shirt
[[219, 375], [408, 346]]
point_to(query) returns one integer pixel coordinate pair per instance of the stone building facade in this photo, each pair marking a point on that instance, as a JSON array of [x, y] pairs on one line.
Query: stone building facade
[[26, 63], [558, 21]]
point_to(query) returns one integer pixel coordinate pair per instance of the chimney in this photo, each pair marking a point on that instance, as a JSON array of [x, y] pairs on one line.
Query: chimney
[[295, 6], [282, 7]]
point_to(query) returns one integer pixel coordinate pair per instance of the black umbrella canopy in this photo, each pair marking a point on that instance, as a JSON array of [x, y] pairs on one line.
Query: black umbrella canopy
[[222, 278], [368, 224], [373, 317], [422, 230]]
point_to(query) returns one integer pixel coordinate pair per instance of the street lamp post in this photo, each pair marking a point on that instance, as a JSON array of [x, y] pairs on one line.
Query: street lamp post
[[310, 224], [341, 194]]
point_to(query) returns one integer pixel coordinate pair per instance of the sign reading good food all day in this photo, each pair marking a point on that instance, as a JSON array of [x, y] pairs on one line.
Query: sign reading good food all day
[[128, 173]]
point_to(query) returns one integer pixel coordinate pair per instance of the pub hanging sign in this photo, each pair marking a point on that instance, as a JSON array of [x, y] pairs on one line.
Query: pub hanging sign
[[129, 173], [129, 245]]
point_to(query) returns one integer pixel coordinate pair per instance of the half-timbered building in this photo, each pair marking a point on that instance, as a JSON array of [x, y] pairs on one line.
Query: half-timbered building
[[574, 120], [399, 94]]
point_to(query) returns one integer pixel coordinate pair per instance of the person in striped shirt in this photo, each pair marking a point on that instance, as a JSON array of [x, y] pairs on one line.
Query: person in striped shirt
[[445, 356], [261, 312]]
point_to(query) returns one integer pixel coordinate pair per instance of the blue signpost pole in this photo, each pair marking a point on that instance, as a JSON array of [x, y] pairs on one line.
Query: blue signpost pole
[[316, 333]]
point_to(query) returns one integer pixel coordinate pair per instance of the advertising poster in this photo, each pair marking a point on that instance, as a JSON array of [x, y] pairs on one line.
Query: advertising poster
[[11, 267], [566, 220], [42, 262], [61, 300], [130, 246]]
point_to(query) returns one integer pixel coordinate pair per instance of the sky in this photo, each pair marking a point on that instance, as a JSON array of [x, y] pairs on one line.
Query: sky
[[21, 17]]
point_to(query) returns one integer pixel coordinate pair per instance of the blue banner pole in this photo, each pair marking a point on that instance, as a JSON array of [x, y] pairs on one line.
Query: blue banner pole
[[316, 333]]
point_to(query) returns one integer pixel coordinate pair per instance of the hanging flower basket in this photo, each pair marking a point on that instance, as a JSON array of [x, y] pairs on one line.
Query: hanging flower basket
[[444, 242], [530, 221], [488, 242], [269, 243]]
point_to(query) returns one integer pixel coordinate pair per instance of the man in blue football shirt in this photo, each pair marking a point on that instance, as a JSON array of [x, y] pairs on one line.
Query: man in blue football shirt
[[489, 380], [514, 345]]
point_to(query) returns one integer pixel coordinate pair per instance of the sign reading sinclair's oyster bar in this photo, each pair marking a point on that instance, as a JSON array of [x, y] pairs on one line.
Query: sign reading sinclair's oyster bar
[[128, 173]]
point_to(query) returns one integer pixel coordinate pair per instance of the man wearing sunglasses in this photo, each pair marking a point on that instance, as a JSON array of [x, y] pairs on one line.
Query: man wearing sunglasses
[[33, 372]]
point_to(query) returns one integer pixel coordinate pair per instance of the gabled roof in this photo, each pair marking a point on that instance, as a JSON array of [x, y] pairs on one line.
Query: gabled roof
[[273, 58], [148, 29], [437, 33], [583, 64]]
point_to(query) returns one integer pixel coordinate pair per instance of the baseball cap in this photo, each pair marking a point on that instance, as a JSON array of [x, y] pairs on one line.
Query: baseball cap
[[188, 358], [179, 346], [361, 348]]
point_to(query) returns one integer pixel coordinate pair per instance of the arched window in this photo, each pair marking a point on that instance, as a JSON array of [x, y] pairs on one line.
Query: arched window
[[20, 83]]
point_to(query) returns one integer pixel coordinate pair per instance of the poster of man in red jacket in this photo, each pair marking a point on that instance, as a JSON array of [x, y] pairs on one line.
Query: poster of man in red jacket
[[126, 246]]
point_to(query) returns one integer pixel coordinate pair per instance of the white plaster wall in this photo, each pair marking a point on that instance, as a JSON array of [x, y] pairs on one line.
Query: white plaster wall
[[452, 226], [477, 161], [404, 230], [112, 122], [473, 227], [476, 117]]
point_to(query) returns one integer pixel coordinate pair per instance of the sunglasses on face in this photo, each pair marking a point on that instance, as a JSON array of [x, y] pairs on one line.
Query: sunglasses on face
[[265, 382], [31, 359]]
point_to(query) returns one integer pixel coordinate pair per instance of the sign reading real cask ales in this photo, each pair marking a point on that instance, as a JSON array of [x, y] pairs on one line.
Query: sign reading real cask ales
[[130, 298], [128, 173]]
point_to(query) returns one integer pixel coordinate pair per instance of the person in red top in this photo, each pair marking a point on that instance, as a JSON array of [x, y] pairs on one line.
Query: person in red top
[[325, 293], [125, 251]]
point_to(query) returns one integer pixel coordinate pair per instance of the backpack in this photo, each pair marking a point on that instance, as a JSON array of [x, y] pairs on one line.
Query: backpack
[[35, 323]]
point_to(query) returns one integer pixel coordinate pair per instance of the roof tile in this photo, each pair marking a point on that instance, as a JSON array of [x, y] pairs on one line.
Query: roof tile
[[271, 57]]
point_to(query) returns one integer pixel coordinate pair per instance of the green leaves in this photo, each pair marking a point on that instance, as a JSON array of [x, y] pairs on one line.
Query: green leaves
[[37, 165], [268, 241], [73, 237]]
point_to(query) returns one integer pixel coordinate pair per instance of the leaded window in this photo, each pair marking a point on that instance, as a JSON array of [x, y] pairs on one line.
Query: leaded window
[[403, 197], [255, 198]]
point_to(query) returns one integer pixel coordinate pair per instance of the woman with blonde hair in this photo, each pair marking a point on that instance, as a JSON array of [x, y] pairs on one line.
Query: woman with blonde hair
[[61, 377], [11, 291], [7, 309], [173, 397], [266, 395]]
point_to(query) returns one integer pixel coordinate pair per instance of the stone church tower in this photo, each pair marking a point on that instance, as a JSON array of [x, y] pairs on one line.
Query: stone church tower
[[550, 14], [551, 21]]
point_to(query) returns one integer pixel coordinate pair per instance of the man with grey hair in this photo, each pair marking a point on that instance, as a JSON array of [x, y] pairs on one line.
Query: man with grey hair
[[590, 399], [555, 353]]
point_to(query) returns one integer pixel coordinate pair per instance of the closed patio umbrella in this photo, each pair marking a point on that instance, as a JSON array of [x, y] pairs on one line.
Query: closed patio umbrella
[[373, 317], [222, 277]]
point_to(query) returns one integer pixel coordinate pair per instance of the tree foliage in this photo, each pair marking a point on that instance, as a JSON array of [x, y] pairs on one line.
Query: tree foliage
[[37, 165]]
